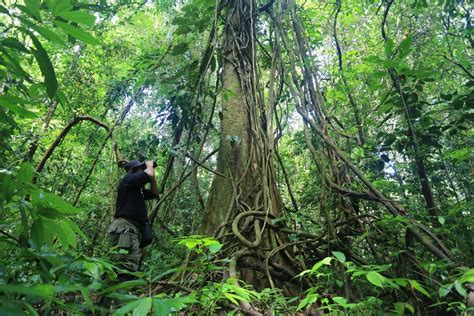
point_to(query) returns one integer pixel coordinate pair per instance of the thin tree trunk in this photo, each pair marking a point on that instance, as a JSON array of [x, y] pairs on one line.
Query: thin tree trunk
[[352, 101], [425, 184]]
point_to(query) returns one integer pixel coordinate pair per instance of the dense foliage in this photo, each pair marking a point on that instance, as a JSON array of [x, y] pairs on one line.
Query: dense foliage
[[357, 116]]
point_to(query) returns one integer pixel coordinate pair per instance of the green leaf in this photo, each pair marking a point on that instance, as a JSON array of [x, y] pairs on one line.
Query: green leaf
[[37, 233], [66, 234], [467, 276], [441, 220], [127, 308], [404, 47], [62, 98], [77, 33], [58, 7], [401, 282], [15, 44], [246, 294], [447, 97], [340, 300], [213, 245], [445, 289], [48, 34], [7, 186], [169, 271], [375, 278], [417, 286], [25, 174], [29, 309], [26, 10], [191, 244], [80, 17], [46, 67], [18, 110], [87, 297], [340, 256], [58, 203], [389, 48], [231, 298], [373, 59], [49, 213], [457, 103], [325, 261], [51, 227], [308, 300], [69, 233], [34, 6], [13, 65], [460, 288], [92, 269], [7, 120], [161, 306], [77, 230], [12, 99], [123, 285], [143, 308], [4, 10], [179, 49], [401, 306], [214, 248], [42, 290]]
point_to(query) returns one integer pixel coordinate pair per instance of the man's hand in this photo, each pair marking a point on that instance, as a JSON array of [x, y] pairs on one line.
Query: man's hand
[[149, 168], [151, 172]]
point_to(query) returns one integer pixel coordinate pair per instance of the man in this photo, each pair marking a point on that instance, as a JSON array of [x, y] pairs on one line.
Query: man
[[130, 214]]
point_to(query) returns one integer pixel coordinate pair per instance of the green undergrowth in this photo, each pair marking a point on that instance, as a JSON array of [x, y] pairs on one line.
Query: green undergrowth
[[43, 271]]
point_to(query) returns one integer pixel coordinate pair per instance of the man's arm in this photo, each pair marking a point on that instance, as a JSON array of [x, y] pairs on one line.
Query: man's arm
[[151, 173]]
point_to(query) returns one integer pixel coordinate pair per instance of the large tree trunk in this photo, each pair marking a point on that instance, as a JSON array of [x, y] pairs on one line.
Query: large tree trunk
[[234, 154], [236, 160], [241, 202]]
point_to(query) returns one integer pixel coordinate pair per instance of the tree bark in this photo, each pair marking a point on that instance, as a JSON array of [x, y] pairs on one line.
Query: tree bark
[[241, 201]]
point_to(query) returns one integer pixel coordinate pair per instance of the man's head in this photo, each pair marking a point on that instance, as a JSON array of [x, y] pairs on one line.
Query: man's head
[[134, 165]]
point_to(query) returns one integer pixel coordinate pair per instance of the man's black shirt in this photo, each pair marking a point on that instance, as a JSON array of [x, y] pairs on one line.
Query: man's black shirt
[[131, 197]]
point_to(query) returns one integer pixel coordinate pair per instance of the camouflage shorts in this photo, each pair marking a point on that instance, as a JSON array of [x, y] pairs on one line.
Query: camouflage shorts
[[125, 235]]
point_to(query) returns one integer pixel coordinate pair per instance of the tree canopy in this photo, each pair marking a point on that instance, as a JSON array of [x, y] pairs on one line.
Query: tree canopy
[[313, 157]]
